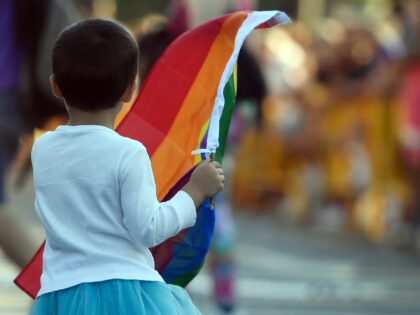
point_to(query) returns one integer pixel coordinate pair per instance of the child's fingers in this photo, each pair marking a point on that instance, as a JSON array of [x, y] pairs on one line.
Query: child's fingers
[[215, 164], [217, 169]]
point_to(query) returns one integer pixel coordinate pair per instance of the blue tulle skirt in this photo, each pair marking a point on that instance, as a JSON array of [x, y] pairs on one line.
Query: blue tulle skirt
[[116, 297]]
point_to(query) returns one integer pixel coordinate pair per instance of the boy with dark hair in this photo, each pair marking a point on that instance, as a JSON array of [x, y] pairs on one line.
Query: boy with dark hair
[[85, 82], [95, 192]]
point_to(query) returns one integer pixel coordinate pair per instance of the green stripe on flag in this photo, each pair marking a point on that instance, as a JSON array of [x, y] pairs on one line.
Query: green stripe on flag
[[230, 98], [229, 93]]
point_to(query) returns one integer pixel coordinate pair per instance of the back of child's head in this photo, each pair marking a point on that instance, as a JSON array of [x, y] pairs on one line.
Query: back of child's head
[[94, 62]]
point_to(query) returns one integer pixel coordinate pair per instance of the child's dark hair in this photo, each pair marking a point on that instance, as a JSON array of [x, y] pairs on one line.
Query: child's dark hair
[[94, 61]]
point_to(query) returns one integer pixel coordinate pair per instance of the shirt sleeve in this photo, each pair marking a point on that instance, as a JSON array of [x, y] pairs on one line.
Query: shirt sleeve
[[151, 222]]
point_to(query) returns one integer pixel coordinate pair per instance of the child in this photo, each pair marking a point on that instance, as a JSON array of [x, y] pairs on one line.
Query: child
[[95, 192]]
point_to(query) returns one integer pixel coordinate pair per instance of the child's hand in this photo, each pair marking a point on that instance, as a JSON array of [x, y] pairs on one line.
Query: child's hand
[[206, 181], [209, 178]]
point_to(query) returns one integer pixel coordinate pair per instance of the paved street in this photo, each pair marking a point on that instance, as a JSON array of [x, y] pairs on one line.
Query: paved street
[[288, 271], [284, 270]]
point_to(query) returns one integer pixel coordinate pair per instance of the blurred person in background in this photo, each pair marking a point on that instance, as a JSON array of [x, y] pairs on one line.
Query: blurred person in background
[[282, 148], [27, 31], [38, 23], [14, 239], [344, 151], [359, 133]]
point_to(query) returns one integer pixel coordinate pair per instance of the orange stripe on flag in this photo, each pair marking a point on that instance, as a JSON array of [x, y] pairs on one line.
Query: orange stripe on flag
[[181, 139]]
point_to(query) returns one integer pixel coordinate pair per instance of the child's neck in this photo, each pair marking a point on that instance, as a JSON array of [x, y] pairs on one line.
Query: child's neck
[[104, 117]]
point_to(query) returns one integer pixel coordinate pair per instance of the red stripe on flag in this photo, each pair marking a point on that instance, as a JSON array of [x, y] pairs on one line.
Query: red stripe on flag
[[158, 102], [29, 280]]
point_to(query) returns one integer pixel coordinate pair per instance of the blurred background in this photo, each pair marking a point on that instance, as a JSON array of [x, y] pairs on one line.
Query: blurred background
[[321, 214]]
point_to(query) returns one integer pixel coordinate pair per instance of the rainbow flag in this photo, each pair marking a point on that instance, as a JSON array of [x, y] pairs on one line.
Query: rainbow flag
[[184, 105]]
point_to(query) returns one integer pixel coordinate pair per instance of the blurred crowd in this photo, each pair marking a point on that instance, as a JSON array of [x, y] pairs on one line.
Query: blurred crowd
[[338, 142]]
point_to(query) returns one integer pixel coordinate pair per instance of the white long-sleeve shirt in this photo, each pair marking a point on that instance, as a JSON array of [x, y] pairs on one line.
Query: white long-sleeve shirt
[[96, 197]]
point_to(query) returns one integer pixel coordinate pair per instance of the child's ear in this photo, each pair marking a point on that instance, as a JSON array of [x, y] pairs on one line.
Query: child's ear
[[54, 87], [129, 92]]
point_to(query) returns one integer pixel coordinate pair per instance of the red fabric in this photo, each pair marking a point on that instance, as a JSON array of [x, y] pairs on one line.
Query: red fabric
[[29, 280]]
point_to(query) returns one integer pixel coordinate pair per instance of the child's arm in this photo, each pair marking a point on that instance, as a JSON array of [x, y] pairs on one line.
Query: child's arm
[[150, 222]]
